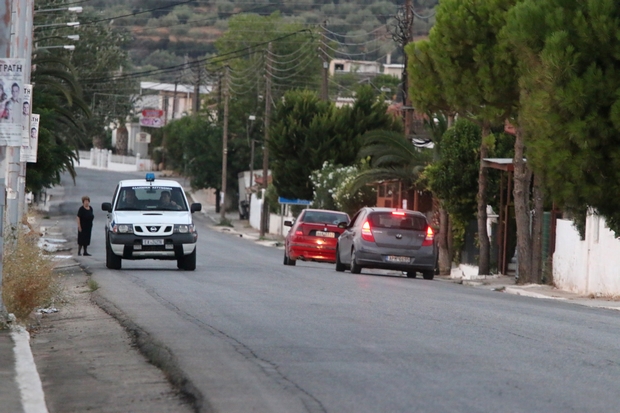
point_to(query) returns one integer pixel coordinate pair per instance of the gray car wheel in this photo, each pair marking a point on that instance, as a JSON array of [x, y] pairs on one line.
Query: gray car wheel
[[428, 275], [411, 274], [355, 268], [340, 267]]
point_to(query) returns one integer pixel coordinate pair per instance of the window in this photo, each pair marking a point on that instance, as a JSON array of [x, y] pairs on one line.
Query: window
[[407, 222]]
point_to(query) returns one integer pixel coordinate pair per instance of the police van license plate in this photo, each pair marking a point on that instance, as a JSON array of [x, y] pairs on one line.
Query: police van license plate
[[152, 242]]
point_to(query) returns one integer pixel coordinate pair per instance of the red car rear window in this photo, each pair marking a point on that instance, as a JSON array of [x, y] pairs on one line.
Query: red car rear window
[[324, 217]]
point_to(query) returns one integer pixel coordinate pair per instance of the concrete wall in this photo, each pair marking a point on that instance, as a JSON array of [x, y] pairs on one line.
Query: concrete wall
[[591, 266]]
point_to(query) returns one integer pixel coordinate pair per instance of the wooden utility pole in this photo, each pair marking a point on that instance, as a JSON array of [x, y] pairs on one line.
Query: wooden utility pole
[[325, 57], [196, 101], [264, 221], [224, 145]]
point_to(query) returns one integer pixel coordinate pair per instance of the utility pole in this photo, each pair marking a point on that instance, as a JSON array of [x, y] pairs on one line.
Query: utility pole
[[224, 146], [21, 37], [408, 36], [174, 99], [5, 52], [196, 101], [265, 210], [325, 57]]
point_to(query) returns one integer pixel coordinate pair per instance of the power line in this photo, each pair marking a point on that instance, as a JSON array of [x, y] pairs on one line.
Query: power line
[[235, 54]]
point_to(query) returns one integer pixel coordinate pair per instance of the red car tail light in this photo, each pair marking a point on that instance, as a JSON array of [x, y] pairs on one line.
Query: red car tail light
[[367, 233], [430, 236]]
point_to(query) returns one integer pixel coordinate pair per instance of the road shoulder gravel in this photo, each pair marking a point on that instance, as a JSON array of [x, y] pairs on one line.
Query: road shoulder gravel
[[87, 361]]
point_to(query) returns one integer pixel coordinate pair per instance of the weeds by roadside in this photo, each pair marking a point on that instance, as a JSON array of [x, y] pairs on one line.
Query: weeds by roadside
[[92, 285], [29, 280]]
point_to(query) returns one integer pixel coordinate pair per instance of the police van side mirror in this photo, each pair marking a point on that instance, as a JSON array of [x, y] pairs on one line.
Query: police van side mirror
[[196, 207], [106, 206]]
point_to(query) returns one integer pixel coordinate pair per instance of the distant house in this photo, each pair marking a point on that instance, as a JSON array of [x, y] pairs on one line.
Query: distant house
[[393, 69], [362, 67], [173, 101]]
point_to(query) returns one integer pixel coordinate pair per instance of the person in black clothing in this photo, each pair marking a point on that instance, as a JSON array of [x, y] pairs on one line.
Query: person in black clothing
[[85, 217]]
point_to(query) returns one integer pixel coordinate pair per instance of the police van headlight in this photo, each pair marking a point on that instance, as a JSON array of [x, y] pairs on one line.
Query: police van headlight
[[123, 228], [184, 228]]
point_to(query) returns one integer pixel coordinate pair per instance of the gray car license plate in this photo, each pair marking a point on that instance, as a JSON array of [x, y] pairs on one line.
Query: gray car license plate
[[152, 242], [396, 258]]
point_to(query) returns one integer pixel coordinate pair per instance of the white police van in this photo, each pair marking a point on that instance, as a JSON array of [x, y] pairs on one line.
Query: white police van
[[149, 219]]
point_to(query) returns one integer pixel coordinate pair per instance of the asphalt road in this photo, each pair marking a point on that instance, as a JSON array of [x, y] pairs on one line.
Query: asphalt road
[[251, 334]]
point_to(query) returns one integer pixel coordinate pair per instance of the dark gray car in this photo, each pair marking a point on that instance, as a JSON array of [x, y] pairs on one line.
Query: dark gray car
[[388, 238]]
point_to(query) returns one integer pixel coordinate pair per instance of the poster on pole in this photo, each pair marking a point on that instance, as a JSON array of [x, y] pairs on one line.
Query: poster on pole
[[11, 95], [29, 152], [26, 112]]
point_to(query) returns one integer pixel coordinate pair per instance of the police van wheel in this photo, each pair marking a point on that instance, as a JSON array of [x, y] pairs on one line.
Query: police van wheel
[[112, 261], [188, 262]]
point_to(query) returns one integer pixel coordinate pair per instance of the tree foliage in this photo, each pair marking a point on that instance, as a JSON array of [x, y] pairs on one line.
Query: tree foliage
[[454, 177], [101, 59], [570, 98], [306, 132], [194, 147], [301, 139]]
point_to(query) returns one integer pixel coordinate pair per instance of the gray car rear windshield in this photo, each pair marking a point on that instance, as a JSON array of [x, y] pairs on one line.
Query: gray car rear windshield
[[390, 220]]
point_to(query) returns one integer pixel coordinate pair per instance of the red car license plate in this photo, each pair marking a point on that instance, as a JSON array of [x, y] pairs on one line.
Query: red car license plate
[[326, 234]]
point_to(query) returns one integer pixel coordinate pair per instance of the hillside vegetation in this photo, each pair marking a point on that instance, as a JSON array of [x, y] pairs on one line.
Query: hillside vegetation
[[167, 33]]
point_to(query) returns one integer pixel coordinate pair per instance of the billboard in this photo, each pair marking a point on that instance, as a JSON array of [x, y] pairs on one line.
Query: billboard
[[11, 96], [152, 118]]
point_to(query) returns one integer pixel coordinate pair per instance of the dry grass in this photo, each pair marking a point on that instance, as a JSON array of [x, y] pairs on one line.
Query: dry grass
[[29, 280]]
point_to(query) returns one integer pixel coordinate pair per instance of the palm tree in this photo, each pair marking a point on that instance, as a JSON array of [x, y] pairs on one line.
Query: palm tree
[[57, 98], [392, 156]]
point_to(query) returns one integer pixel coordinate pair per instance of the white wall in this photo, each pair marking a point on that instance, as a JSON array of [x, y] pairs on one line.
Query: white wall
[[591, 266], [103, 159], [275, 221]]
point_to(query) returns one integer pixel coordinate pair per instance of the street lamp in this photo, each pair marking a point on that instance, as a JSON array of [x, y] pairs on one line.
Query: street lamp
[[69, 24], [66, 47], [76, 9], [251, 119]]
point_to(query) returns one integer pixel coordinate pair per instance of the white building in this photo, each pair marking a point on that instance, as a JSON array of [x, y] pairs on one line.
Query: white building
[[173, 100]]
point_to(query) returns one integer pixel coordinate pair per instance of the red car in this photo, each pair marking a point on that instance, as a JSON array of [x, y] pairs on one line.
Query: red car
[[313, 236]]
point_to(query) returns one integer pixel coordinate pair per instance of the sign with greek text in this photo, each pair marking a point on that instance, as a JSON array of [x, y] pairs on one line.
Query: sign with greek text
[[11, 95]]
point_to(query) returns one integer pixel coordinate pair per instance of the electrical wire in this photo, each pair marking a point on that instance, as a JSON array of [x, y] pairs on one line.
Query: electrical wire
[[385, 36], [352, 35]]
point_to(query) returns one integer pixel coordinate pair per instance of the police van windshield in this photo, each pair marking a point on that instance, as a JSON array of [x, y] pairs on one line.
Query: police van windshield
[[150, 198]]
